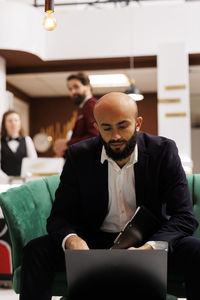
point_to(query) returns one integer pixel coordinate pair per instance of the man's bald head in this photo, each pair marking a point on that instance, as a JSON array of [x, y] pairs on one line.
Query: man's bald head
[[115, 102], [117, 120]]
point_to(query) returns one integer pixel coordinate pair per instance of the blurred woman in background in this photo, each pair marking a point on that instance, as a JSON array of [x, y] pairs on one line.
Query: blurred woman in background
[[14, 146]]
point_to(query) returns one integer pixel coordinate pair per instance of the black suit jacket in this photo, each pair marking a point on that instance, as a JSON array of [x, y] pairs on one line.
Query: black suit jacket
[[81, 200]]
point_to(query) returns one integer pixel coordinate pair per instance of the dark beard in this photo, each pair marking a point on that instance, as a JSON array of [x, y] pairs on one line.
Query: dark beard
[[78, 99], [120, 155]]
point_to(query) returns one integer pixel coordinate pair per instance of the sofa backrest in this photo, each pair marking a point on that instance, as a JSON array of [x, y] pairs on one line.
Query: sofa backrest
[[52, 183], [194, 185], [26, 209]]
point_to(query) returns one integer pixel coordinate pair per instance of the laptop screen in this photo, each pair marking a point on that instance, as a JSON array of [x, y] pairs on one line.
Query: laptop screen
[[101, 274]]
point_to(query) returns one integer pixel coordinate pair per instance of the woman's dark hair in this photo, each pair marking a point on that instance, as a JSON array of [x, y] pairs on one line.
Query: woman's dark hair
[[3, 127], [82, 77]]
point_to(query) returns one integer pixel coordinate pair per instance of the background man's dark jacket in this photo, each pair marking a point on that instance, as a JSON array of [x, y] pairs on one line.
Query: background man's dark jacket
[[84, 126]]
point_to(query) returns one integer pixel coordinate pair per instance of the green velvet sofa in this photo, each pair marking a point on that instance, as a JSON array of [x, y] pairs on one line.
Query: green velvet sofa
[[26, 208]]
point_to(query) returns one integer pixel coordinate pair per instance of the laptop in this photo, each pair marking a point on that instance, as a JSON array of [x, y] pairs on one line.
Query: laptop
[[41, 166], [109, 274]]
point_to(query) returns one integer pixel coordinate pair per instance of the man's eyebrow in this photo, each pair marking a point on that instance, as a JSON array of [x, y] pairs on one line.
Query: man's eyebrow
[[105, 124], [122, 122]]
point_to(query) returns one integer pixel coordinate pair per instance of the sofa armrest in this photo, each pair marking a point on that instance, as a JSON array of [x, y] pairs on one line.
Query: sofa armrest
[[25, 210]]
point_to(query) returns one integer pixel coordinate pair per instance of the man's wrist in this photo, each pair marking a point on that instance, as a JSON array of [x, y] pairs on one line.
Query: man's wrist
[[65, 239], [146, 247], [74, 242]]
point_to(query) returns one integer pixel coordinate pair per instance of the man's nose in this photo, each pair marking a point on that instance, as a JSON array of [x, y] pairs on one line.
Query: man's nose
[[115, 134], [73, 92]]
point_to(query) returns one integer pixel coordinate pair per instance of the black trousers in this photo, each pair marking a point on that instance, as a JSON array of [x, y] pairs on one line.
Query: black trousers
[[42, 258]]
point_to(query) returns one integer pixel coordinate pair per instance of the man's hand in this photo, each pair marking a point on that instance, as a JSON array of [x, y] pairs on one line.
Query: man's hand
[[143, 247], [74, 242], [60, 146]]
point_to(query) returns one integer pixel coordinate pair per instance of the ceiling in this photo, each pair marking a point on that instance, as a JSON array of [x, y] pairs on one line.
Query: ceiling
[[53, 84], [66, 2]]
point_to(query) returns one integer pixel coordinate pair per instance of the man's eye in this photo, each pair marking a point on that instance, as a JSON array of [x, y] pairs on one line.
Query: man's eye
[[107, 129], [122, 127]]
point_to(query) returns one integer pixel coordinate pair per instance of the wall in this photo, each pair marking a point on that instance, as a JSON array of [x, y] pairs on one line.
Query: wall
[[195, 109], [20, 28], [23, 109], [47, 114], [132, 30], [148, 110], [195, 135]]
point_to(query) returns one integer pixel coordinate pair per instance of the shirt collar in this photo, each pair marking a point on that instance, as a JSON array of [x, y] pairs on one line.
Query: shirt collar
[[133, 158], [84, 101]]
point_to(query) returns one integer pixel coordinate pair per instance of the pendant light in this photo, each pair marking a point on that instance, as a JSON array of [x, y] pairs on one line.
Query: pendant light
[[132, 90], [49, 21]]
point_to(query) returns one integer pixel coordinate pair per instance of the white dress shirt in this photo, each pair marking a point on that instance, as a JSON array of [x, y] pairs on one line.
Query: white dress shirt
[[122, 199]]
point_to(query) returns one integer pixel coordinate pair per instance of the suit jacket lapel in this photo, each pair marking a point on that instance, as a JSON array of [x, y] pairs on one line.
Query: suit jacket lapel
[[141, 174], [101, 182]]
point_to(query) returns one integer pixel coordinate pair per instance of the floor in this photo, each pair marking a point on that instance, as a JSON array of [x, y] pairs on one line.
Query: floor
[[9, 294]]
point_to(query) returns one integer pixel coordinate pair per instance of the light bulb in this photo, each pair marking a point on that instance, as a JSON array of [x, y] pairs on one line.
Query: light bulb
[[137, 97], [49, 22], [132, 81]]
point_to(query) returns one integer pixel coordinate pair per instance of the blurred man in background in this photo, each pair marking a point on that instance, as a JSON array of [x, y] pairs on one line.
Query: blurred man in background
[[81, 93]]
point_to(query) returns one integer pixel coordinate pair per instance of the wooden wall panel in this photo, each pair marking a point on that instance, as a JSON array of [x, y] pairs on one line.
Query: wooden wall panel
[[147, 108], [50, 114], [46, 113]]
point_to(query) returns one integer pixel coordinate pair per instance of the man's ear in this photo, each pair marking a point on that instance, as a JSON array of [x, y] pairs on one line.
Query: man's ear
[[139, 123], [96, 126]]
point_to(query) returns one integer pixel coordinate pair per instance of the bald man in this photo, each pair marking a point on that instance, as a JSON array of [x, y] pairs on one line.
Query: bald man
[[103, 181]]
